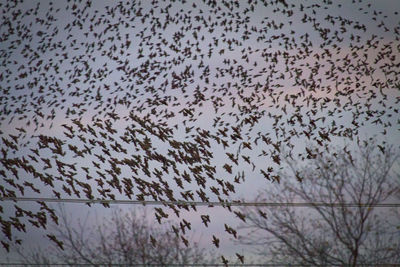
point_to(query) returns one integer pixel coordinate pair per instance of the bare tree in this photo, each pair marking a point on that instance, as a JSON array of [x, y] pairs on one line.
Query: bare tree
[[127, 238], [325, 234]]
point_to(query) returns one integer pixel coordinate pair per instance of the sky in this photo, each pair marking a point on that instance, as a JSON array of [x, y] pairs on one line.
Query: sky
[[202, 73]]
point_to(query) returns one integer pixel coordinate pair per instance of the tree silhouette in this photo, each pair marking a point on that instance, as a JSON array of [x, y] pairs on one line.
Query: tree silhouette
[[326, 234], [128, 238]]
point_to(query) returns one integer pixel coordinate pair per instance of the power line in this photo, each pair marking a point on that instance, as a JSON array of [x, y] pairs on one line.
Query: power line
[[200, 203], [136, 264], [166, 264], [177, 264]]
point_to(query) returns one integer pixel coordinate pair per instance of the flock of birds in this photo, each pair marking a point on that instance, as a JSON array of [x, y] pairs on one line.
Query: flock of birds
[[180, 100]]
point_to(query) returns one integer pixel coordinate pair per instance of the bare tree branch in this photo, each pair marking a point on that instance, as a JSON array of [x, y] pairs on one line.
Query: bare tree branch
[[126, 238], [328, 235]]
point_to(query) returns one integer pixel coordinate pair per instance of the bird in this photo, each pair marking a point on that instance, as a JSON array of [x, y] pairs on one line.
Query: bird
[[215, 241], [224, 260], [153, 241], [240, 257], [53, 238], [205, 219]]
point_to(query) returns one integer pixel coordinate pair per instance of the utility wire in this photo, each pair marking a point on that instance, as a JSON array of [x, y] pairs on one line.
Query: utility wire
[[166, 264], [177, 264], [200, 203]]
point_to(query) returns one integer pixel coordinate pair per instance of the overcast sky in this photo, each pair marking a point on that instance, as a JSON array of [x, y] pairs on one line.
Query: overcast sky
[[224, 63]]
